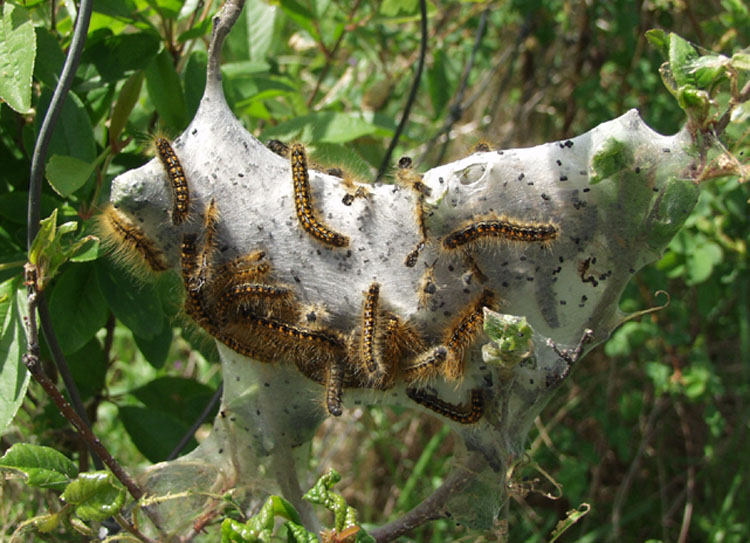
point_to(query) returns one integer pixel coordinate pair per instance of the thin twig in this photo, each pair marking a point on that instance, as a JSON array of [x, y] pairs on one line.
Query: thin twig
[[131, 529], [329, 54], [200, 420], [690, 484], [457, 108], [412, 94], [432, 507], [723, 122], [33, 363], [35, 194], [624, 489]]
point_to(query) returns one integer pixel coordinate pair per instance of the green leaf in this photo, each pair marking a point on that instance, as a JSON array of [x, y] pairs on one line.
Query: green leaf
[[658, 38], [17, 54], [13, 206], [259, 528], [341, 156], [671, 210], [392, 8], [48, 252], [127, 99], [182, 398], [95, 495], [438, 85], [67, 174], [195, 80], [681, 56], [115, 55], [262, 19], [321, 493], [659, 374], [300, 534], [43, 466], [135, 303], [610, 158], [168, 9], [741, 61], [171, 292], [701, 262], [78, 307], [50, 57], [323, 127], [154, 433], [300, 15], [198, 31], [73, 135], [155, 349], [571, 517], [164, 88], [87, 250], [88, 366], [14, 378]]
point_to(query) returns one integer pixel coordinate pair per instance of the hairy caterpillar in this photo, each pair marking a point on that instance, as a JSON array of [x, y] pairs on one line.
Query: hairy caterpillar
[[128, 243], [303, 204], [464, 414], [177, 180], [492, 228]]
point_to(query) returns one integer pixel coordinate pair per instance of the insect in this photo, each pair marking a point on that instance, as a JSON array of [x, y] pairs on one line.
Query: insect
[[481, 147], [369, 348], [462, 333], [408, 177], [469, 413], [583, 269], [303, 203], [128, 243], [494, 228], [177, 180]]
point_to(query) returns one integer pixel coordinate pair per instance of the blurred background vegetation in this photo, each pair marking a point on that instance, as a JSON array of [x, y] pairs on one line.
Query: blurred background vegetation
[[652, 430]]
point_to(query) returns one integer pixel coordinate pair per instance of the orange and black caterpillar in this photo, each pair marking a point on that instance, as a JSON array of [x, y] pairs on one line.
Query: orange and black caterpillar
[[462, 333], [464, 414], [128, 242], [426, 365], [500, 228], [177, 180], [303, 203], [408, 177], [368, 350]]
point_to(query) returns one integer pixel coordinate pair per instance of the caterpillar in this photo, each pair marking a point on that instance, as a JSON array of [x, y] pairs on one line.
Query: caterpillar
[[208, 248], [304, 205], [257, 296], [368, 350], [177, 180], [195, 302], [426, 365], [462, 333], [500, 228], [408, 177], [128, 243], [464, 414], [583, 269], [334, 388]]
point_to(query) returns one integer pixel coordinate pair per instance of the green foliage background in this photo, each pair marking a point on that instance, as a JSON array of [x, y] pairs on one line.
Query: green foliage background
[[652, 430]]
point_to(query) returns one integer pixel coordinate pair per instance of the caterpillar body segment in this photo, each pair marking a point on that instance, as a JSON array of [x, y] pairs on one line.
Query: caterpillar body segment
[[177, 180], [469, 413], [425, 366], [407, 177], [463, 331], [307, 216], [492, 228], [128, 243]]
